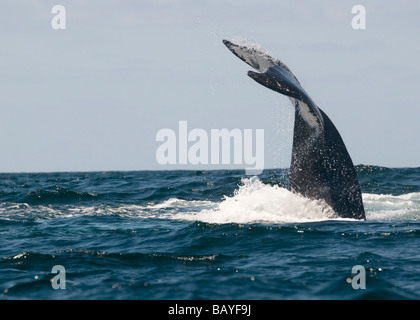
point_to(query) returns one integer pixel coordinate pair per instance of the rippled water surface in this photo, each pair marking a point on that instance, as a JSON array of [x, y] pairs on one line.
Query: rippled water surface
[[204, 235]]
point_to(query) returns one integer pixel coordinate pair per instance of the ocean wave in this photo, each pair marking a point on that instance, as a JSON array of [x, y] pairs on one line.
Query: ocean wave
[[390, 207], [252, 202], [165, 209], [59, 196], [137, 255]]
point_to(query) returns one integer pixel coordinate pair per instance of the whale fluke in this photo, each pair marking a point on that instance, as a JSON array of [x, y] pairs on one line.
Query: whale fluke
[[321, 167]]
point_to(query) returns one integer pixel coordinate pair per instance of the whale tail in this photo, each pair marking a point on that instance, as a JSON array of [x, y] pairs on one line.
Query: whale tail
[[276, 76], [321, 167]]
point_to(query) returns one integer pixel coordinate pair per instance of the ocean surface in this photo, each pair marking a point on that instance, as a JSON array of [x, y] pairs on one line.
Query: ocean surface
[[204, 235]]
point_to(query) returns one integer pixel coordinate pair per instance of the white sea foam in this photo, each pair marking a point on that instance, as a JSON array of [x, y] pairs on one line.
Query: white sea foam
[[389, 207], [256, 202]]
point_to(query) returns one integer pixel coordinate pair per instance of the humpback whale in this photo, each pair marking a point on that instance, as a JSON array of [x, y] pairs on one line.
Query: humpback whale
[[321, 167]]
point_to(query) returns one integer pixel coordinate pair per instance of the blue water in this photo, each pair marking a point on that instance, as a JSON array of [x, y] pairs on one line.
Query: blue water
[[204, 235]]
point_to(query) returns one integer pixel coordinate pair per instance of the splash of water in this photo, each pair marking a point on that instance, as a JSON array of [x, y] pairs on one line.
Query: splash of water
[[256, 202]]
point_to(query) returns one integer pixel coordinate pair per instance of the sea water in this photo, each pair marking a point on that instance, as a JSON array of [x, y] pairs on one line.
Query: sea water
[[204, 235]]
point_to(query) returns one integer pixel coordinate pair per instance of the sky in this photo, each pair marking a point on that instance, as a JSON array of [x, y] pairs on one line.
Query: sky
[[93, 96]]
